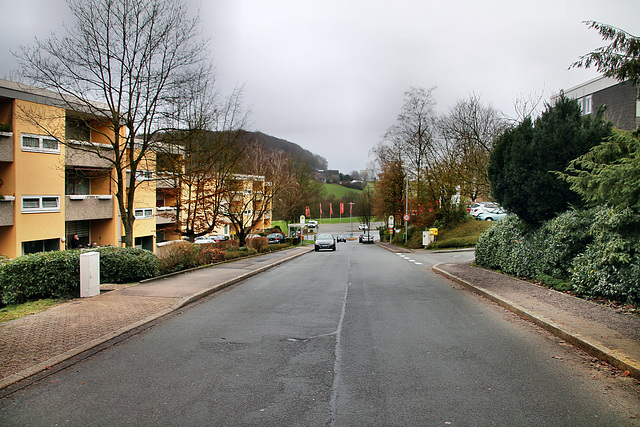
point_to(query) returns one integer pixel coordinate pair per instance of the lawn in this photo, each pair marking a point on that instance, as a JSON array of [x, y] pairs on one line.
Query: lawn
[[338, 191], [17, 311], [463, 235]]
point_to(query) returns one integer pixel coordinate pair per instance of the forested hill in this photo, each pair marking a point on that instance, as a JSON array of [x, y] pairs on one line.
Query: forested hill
[[316, 161]]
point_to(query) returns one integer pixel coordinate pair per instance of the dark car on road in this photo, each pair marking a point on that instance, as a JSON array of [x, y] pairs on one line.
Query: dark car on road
[[276, 238], [325, 241], [341, 238]]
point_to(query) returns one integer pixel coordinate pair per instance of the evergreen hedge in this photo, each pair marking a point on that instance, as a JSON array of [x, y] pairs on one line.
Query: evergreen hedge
[[56, 274], [594, 253]]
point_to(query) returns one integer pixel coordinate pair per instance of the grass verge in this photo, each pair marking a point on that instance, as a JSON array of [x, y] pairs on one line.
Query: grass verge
[[17, 311], [464, 235]]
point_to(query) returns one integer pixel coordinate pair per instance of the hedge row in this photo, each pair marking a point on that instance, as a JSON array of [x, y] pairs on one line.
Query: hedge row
[[594, 253], [56, 274], [184, 255]]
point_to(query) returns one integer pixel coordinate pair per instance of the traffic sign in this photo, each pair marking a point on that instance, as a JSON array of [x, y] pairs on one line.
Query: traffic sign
[[406, 217]]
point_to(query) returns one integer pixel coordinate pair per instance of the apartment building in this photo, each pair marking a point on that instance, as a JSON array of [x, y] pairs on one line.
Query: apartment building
[[621, 100], [52, 191]]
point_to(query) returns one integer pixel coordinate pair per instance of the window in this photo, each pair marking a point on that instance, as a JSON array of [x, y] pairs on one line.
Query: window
[[76, 183], [248, 212], [40, 144], [40, 246], [40, 204], [143, 213], [144, 175], [585, 105]]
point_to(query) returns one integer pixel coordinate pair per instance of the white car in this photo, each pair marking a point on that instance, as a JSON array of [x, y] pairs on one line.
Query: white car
[[205, 239], [363, 227], [480, 207], [312, 224]]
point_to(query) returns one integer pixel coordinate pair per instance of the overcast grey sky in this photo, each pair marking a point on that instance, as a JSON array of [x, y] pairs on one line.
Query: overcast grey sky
[[330, 75]]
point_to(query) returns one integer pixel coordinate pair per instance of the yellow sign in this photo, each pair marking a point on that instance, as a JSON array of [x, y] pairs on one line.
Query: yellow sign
[[433, 231]]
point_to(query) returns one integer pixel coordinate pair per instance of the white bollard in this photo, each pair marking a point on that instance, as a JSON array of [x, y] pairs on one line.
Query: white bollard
[[89, 274]]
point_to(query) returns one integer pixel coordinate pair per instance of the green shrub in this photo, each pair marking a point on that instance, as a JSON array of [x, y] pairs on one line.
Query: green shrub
[[558, 241], [610, 265], [125, 265], [53, 274], [505, 247]]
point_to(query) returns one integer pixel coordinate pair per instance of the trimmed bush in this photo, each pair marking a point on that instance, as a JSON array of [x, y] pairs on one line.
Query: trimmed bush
[[180, 256], [260, 244], [594, 253], [125, 265], [210, 256], [56, 274], [53, 274]]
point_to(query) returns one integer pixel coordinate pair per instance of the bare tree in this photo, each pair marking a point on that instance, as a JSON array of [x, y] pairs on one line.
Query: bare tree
[[413, 136], [270, 174], [210, 137], [128, 55], [469, 130]]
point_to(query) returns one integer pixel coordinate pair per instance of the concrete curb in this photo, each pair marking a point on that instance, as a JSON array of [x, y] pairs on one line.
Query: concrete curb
[[48, 364], [592, 347]]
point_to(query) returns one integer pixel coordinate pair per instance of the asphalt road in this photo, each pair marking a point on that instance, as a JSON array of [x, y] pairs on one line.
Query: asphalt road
[[359, 336]]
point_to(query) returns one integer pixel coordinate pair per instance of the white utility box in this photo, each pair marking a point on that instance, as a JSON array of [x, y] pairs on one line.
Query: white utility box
[[89, 274], [427, 238]]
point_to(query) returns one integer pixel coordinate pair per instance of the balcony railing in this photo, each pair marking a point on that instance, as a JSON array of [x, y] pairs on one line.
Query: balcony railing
[[6, 211], [88, 207], [85, 154], [6, 146], [166, 215]]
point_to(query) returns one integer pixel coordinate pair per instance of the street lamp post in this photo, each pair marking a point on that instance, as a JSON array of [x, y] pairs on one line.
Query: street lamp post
[[406, 209]]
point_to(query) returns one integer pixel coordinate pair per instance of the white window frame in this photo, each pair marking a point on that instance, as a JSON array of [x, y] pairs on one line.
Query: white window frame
[[41, 202], [41, 142], [587, 105], [144, 175], [143, 213]]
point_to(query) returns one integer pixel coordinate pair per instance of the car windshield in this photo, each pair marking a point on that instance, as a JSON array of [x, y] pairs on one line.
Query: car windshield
[[324, 237]]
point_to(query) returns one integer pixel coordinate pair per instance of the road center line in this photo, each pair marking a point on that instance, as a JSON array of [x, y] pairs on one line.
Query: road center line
[[337, 365]]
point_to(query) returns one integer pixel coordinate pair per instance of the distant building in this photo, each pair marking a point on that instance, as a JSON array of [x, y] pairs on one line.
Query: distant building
[[621, 100]]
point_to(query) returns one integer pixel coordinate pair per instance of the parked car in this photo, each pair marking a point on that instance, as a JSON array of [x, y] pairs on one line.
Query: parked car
[[220, 237], [325, 241], [363, 227], [494, 215], [204, 239], [312, 224], [275, 238], [365, 238], [341, 238], [252, 236], [477, 208]]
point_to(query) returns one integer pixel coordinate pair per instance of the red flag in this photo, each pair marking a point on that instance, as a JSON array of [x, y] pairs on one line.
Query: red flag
[[330, 208], [307, 211], [350, 207], [341, 208], [320, 208]]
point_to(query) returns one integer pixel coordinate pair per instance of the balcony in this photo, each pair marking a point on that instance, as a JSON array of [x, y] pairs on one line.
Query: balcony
[[166, 180], [84, 154], [165, 215], [88, 207], [6, 146], [6, 211]]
